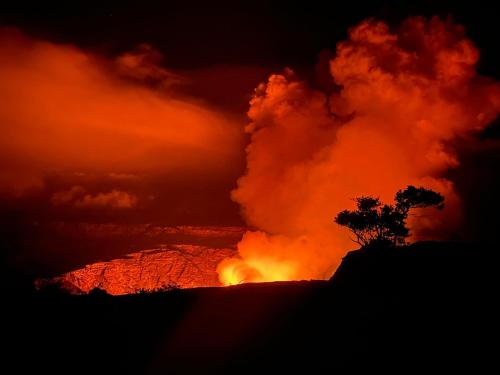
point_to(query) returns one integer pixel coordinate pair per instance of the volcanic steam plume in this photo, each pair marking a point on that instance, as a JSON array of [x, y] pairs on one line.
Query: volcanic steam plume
[[401, 100]]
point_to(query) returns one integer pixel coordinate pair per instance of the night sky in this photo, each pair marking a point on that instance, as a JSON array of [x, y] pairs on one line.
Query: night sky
[[258, 33]]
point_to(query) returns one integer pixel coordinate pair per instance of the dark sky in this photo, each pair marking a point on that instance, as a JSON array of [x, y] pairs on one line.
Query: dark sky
[[243, 42], [263, 36], [264, 33]]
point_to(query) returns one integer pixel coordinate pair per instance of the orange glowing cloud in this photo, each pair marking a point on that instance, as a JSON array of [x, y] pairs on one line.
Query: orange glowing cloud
[[404, 98], [63, 109], [78, 197]]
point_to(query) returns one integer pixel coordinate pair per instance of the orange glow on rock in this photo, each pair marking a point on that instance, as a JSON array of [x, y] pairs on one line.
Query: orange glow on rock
[[178, 266]]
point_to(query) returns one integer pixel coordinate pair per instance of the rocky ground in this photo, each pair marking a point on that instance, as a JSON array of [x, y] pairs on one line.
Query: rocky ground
[[170, 266]]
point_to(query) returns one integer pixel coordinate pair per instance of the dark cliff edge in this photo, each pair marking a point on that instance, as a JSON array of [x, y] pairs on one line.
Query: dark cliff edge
[[423, 267], [421, 308]]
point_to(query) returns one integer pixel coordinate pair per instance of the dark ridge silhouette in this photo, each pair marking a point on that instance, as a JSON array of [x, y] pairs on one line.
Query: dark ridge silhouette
[[421, 308]]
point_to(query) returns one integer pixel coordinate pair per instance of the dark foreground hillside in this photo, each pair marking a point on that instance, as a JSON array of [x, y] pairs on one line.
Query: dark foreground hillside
[[426, 307]]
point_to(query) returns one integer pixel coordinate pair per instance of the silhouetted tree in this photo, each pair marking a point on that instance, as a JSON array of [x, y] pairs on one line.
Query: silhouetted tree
[[374, 222]]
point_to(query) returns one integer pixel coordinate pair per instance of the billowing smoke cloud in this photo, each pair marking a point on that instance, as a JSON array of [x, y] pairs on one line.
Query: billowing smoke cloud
[[403, 99], [64, 110]]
